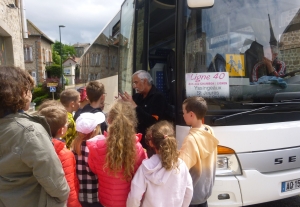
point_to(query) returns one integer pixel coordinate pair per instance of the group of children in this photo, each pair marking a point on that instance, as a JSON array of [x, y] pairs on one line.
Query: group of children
[[48, 160], [105, 164]]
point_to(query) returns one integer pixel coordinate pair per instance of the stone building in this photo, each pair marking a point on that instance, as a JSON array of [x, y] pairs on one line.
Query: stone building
[[12, 31], [37, 52], [100, 61], [81, 48], [290, 42]]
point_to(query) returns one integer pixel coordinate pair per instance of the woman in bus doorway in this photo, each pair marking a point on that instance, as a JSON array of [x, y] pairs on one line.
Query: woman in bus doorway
[[164, 179], [115, 157]]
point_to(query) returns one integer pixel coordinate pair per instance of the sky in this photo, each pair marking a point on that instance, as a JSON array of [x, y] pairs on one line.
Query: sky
[[83, 19]]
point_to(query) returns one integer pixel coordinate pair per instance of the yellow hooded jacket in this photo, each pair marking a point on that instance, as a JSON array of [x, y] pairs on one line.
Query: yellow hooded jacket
[[199, 152]]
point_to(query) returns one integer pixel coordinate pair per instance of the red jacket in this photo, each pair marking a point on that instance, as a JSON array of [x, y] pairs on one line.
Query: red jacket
[[113, 190], [68, 162]]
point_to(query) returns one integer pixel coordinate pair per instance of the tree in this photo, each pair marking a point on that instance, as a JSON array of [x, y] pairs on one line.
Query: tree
[[66, 50], [69, 51], [53, 71], [55, 57]]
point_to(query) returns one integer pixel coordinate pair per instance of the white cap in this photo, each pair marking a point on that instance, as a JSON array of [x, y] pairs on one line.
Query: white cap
[[87, 122]]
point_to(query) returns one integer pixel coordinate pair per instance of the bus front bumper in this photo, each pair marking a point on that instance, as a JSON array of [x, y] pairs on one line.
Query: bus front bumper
[[251, 188]]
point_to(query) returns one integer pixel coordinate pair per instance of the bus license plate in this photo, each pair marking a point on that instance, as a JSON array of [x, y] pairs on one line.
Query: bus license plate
[[290, 185]]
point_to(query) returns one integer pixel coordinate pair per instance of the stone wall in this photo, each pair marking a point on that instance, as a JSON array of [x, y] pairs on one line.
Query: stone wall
[[290, 50], [11, 35], [290, 44]]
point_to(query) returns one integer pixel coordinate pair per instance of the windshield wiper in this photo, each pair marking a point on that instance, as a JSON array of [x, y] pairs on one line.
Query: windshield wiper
[[228, 119], [284, 102]]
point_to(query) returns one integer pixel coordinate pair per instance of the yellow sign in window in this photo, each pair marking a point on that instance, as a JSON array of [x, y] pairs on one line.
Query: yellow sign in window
[[235, 65]]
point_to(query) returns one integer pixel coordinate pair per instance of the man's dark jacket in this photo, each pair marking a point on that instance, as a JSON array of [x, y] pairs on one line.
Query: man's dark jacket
[[154, 104]]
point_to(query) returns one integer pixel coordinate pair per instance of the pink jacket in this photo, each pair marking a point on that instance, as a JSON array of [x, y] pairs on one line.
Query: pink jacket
[[113, 190]]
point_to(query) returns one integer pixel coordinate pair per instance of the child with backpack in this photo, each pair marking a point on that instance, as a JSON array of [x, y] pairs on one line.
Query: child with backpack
[[95, 92]]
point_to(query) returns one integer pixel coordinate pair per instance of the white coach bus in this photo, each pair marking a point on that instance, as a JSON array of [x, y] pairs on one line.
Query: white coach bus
[[243, 57]]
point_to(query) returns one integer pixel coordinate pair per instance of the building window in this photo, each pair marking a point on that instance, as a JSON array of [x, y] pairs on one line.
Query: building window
[[2, 52], [44, 58], [33, 74], [106, 61], [28, 53], [98, 59], [47, 56], [50, 56], [93, 59], [113, 62]]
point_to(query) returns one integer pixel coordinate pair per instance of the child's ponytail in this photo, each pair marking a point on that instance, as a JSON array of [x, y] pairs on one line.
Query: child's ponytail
[[168, 152], [163, 139]]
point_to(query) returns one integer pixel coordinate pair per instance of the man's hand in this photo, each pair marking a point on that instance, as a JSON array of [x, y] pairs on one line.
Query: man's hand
[[126, 97]]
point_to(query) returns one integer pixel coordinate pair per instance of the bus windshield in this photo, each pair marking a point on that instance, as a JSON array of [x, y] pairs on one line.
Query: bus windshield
[[241, 54]]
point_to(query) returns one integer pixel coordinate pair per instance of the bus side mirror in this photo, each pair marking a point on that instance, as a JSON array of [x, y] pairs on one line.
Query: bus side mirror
[[200, 3]]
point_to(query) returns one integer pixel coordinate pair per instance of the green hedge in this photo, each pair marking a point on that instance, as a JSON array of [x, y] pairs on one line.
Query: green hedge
[[38, 91], [53, 71], [40, 99]]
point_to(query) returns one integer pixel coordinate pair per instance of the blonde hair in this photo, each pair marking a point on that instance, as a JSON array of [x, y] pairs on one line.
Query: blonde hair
[[80, 137], [162, 137], [69, 95], [48, 103], [56, 116], [121, 141]]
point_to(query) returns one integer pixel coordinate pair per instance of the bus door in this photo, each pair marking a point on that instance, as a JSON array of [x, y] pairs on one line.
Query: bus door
[[147, 42], [154, 41], [161, 48]]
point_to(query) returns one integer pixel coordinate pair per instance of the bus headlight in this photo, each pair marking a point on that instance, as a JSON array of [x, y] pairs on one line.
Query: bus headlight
[[227, 162]]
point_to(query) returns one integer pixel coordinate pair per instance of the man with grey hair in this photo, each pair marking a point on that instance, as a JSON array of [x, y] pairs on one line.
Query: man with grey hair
[[149, 102]]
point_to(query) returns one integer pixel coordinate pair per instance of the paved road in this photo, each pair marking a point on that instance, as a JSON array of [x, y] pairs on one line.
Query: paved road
[[288, 202]]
